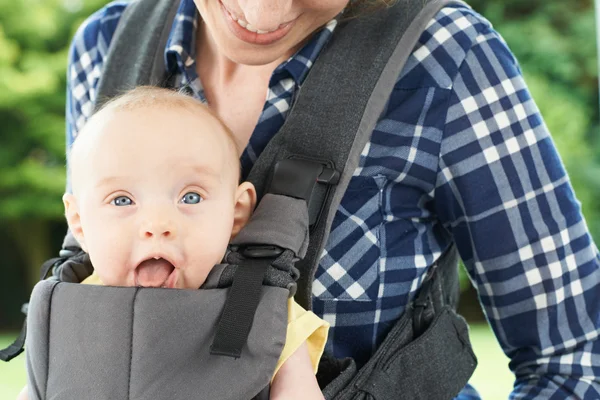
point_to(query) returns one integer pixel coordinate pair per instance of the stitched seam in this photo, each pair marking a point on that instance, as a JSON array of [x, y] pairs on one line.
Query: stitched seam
[[131, 342], [48, 340]]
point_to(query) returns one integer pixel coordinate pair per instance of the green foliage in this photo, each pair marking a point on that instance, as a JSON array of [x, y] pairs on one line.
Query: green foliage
[[34, 39]]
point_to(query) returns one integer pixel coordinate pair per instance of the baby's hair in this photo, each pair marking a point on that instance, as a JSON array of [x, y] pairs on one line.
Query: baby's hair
[[143, 97], [150, 96]]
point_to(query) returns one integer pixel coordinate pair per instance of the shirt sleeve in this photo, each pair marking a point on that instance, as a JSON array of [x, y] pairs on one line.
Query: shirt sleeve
[[303, 326], [93, 279], [87, 53], [503, 193]]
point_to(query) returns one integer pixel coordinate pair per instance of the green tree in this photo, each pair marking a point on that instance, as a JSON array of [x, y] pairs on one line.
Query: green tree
[[34, 39]]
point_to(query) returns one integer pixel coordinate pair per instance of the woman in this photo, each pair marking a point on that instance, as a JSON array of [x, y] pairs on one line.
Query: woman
[[461, 154]]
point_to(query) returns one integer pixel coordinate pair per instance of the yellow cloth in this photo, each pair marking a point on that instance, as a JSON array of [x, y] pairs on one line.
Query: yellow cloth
[[303, 326]]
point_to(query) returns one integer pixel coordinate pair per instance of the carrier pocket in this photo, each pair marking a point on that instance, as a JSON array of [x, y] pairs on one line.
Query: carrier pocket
[[433, 366]]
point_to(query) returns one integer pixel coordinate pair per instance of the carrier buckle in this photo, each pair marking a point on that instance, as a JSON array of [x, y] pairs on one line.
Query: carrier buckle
[[261, 251], [305, 179]]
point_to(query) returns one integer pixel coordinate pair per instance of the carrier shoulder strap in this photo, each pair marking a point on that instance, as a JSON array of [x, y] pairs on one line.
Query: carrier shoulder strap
[[136, 55], [339, 105]]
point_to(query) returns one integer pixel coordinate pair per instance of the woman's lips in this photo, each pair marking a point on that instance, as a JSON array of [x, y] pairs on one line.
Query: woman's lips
[[254, 37]]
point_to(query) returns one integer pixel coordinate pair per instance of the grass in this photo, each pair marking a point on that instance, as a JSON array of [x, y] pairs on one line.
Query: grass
[[492, 377], [12, 374]]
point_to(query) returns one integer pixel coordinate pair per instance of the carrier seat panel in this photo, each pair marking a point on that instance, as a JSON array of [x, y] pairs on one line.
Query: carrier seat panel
[[100, 342]]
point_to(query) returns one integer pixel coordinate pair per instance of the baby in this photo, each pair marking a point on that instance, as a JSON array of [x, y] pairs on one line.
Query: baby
[[154, 174]]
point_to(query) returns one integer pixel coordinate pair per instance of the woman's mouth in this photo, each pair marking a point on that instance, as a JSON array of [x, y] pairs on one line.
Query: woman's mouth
[[247, 33], [155, 272]]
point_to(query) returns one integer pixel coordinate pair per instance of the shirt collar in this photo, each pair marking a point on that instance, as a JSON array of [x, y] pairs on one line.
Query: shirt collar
[[181, 45]]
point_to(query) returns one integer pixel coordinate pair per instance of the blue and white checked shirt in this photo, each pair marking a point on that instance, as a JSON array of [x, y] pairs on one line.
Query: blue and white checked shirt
[[460, 153]]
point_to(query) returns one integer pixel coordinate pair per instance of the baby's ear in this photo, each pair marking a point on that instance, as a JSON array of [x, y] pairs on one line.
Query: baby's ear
[[73, 218], [244, 206]]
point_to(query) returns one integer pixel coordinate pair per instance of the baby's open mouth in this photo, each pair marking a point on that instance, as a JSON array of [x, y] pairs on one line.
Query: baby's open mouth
[[154, 272]]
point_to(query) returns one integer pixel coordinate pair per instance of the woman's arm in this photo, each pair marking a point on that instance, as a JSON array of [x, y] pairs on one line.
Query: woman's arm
[[503, 193]]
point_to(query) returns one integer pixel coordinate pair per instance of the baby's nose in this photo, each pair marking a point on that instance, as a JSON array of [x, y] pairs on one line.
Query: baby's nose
[[157, 232], [157, 229]]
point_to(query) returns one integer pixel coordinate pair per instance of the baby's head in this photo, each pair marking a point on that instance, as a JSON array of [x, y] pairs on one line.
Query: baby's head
[[155, 190]]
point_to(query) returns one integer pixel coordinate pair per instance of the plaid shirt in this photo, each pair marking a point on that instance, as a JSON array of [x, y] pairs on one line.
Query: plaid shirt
[[460, 154]]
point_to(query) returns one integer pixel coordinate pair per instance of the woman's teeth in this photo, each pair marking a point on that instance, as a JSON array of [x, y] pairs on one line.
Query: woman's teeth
[[249, 27]]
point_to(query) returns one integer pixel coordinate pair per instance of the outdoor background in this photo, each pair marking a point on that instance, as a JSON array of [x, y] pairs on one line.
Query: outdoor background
[[554, 40]]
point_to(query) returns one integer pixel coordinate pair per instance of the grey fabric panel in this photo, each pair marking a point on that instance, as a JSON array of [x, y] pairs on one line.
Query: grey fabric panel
[[278, 220], [145, 343], [214, 276], [69, 242], [171, 348], [391, 369], [90, 330], [38, 332], [450, 363], [75, 269], [221, 276], [141, 35]]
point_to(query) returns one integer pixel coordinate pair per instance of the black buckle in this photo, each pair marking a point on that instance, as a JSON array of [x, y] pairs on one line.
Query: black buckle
[[261, 251], [305, 179]]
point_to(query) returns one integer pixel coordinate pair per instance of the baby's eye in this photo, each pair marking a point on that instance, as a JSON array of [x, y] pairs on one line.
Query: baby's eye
[[121, 201], [191, 198]]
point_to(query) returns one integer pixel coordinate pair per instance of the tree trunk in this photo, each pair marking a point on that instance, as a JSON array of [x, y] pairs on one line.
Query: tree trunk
[[33, 241]]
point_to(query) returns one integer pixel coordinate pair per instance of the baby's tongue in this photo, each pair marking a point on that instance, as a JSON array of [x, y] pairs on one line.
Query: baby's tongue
[[153, 273]]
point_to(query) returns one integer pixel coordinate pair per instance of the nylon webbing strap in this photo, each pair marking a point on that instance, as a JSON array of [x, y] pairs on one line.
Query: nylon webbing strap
[[136, 54], [16, 347], [335, 112], [238, 313]]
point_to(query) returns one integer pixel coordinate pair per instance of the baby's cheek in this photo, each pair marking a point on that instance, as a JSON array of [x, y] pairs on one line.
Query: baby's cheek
[[198, 268], [112, 275], [196, 274], [111, 267]]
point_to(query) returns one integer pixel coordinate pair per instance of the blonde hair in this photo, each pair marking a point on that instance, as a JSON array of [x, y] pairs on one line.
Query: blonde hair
[[152, 96], [143, 97]]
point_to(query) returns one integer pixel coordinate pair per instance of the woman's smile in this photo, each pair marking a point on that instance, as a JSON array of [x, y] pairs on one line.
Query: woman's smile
[[250, 34]]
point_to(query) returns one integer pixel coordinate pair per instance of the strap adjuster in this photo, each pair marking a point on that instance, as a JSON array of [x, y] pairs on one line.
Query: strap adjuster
[[261, 251], [305, 179]]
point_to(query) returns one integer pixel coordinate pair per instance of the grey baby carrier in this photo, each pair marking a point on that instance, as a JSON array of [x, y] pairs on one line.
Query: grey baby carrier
[[222, 342]]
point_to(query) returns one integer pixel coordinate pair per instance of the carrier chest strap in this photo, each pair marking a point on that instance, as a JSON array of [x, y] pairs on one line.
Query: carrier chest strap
[[238, 314]]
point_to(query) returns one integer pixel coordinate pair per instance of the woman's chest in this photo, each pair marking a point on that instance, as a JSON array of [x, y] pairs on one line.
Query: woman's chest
[[240, 109]]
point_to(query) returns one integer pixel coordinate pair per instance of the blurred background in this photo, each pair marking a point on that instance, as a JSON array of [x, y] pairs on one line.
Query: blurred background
[[554, 40]]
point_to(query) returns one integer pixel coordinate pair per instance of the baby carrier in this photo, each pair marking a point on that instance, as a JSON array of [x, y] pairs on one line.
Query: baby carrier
[[222, 342]]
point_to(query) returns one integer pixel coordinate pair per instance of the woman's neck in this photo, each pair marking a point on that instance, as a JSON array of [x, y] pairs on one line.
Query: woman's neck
[[216, 69]]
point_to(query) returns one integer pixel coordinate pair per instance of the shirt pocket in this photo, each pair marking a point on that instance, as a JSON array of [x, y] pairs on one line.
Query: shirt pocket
[[349, 266]]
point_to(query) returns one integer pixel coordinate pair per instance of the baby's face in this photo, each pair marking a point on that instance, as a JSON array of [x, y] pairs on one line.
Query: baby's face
[[155, 192]]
